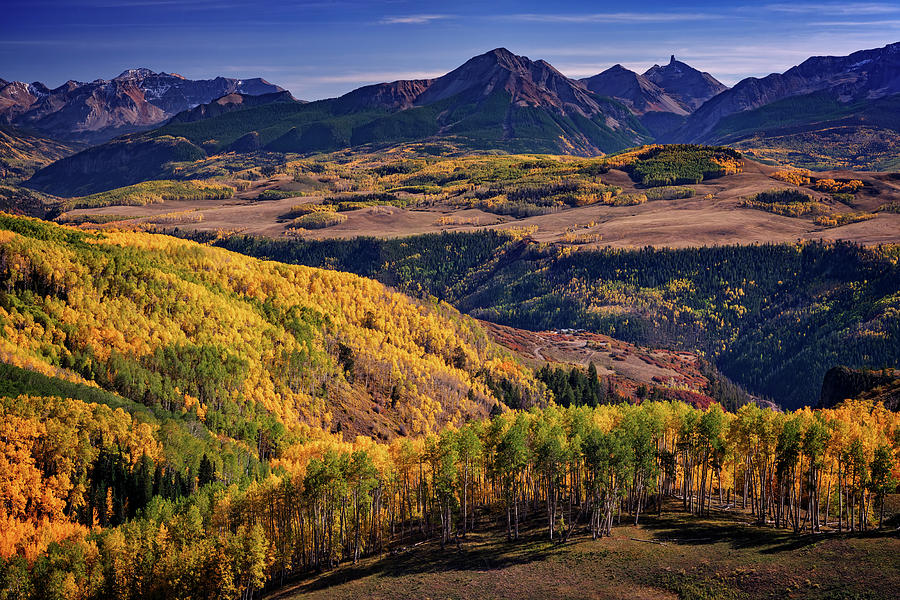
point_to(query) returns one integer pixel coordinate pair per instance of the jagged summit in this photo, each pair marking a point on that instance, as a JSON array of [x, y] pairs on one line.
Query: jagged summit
[[529, 83], [690, 87], [138, 73]]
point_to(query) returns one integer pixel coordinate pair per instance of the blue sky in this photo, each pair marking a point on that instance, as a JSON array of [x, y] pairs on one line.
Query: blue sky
[[320, 48]]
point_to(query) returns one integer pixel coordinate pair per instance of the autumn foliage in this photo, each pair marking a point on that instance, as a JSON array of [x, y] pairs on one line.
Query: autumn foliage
[[205, 424], [579, 470]]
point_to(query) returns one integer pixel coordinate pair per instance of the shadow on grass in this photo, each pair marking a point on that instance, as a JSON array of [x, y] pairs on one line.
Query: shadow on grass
[[684, 529], [485, 551], [488, 550]]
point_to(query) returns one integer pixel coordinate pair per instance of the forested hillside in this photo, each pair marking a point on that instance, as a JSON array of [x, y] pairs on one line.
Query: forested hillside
[[774, 317], [256, 351]]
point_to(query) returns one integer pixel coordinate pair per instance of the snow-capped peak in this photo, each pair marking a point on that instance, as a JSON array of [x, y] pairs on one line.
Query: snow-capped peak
[[135, 73]]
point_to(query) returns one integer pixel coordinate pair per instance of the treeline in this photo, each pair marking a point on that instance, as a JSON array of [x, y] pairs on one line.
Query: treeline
[[574, 386], [774, 318], [576, 471]]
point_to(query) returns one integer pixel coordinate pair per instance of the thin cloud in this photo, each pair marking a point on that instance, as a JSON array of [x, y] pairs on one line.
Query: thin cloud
[[879, 23], [857, 8], [374, 77], [413, 19], [622, 17]]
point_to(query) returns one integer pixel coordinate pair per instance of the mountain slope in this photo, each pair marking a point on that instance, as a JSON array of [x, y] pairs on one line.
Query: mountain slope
[[21, 152], [849, 82], [249, 348], [228, 103], [774, 318], [494, 101], [96, 111], [501, 100], [658, 111], [639, 93]]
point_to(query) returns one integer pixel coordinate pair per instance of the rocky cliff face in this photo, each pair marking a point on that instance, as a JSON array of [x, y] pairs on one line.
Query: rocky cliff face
[[94, 112]]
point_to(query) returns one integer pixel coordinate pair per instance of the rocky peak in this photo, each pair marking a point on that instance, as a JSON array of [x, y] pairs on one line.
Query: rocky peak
[[139, 73], [529, 83], [638, 92], [690, 87]]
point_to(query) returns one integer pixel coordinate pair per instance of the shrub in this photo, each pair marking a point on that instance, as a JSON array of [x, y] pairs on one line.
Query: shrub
[[627, 200], [176, 218], [669, 193], [795, 176], [781, 196], [298, 210], [839, 219], [787, 203], [275, 195], [319, 220], [847, 186]]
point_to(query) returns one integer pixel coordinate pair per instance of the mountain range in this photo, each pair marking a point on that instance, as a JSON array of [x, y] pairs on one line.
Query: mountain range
[[502, 101], [97, 111]]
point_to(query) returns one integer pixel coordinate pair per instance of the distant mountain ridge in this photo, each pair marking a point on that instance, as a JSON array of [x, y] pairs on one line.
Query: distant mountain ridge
[[638, 92], [496, 100], [501, 101], [863, 76], [662, 97], [96, 111], [230, 102]]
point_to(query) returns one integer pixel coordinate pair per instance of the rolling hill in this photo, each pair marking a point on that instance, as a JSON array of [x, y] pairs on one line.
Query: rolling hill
[[246, 347]]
